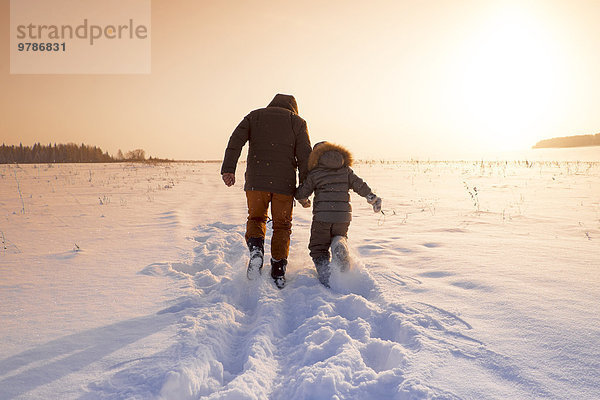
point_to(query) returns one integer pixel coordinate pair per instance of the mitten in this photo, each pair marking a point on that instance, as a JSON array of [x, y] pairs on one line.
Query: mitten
[[305, 202], [375, 201]]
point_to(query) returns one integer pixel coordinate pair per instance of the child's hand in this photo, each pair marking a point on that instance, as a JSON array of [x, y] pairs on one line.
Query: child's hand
[[375, 201], [377, 205], [305, 202]]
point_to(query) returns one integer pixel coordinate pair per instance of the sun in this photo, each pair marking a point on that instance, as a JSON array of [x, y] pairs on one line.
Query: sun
[[508, 78]]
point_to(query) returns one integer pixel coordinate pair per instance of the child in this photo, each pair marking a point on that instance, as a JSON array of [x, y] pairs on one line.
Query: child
[[331, 178]]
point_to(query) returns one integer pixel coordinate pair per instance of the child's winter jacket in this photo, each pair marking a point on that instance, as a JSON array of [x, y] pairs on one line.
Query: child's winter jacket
[[331, 178]]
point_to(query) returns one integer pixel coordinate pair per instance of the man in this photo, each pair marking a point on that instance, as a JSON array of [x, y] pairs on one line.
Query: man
[[278, 144]]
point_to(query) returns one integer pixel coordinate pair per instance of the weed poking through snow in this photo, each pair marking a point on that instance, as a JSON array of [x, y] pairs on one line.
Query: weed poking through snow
[[3, 243], [20, 194], [474, 195]]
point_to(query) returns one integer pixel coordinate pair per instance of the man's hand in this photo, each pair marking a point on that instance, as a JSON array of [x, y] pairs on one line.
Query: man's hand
[[228, 178], [305, 202]]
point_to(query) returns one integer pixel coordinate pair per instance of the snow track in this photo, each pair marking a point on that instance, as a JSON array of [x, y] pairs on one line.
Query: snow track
[[241, 339]]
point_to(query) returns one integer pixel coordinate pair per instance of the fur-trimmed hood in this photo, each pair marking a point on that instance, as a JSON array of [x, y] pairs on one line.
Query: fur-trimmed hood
[[329, 155]]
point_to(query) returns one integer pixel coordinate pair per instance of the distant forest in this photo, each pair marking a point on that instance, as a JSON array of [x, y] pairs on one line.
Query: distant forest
[[569, 141], [64, 153]]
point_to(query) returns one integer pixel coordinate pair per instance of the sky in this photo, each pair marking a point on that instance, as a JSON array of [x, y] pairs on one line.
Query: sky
[[387, 79]]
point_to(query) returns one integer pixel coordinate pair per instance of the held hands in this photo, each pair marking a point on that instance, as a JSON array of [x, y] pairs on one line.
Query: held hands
[[375, 201], [228, 178], [305, 202]]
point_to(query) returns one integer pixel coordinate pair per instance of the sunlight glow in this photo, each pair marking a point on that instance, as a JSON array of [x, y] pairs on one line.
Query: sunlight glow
[[510, 79]]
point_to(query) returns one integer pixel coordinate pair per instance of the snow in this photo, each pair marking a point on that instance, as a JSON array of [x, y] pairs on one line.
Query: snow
[[128, 281]]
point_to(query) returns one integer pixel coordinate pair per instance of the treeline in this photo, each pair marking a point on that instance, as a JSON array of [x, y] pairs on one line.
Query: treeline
[[569, 141], [64, 153]]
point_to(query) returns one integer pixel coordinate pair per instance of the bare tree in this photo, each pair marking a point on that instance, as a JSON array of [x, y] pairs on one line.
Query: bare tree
[[136, 155]]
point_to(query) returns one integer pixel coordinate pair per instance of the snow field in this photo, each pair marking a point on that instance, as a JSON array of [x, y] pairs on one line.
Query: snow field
[[481, 281]]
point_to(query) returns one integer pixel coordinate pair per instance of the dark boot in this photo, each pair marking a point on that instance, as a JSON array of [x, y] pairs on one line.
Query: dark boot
[[257, 252], [323, 271], [278, 272]]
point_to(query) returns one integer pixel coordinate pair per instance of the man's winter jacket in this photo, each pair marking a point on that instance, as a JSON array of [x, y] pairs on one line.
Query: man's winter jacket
[[278, 145]]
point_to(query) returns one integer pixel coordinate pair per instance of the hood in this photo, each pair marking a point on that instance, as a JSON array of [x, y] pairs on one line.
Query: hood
[[284, 101], [329, 155]]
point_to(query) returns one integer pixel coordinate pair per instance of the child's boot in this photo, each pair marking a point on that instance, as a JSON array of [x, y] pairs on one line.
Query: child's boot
[[257, 251], [340, 253], [278, 272], [323, 271]]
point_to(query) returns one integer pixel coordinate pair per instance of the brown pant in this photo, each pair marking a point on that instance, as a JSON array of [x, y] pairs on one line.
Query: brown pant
[[321, 234], [281, 212]]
